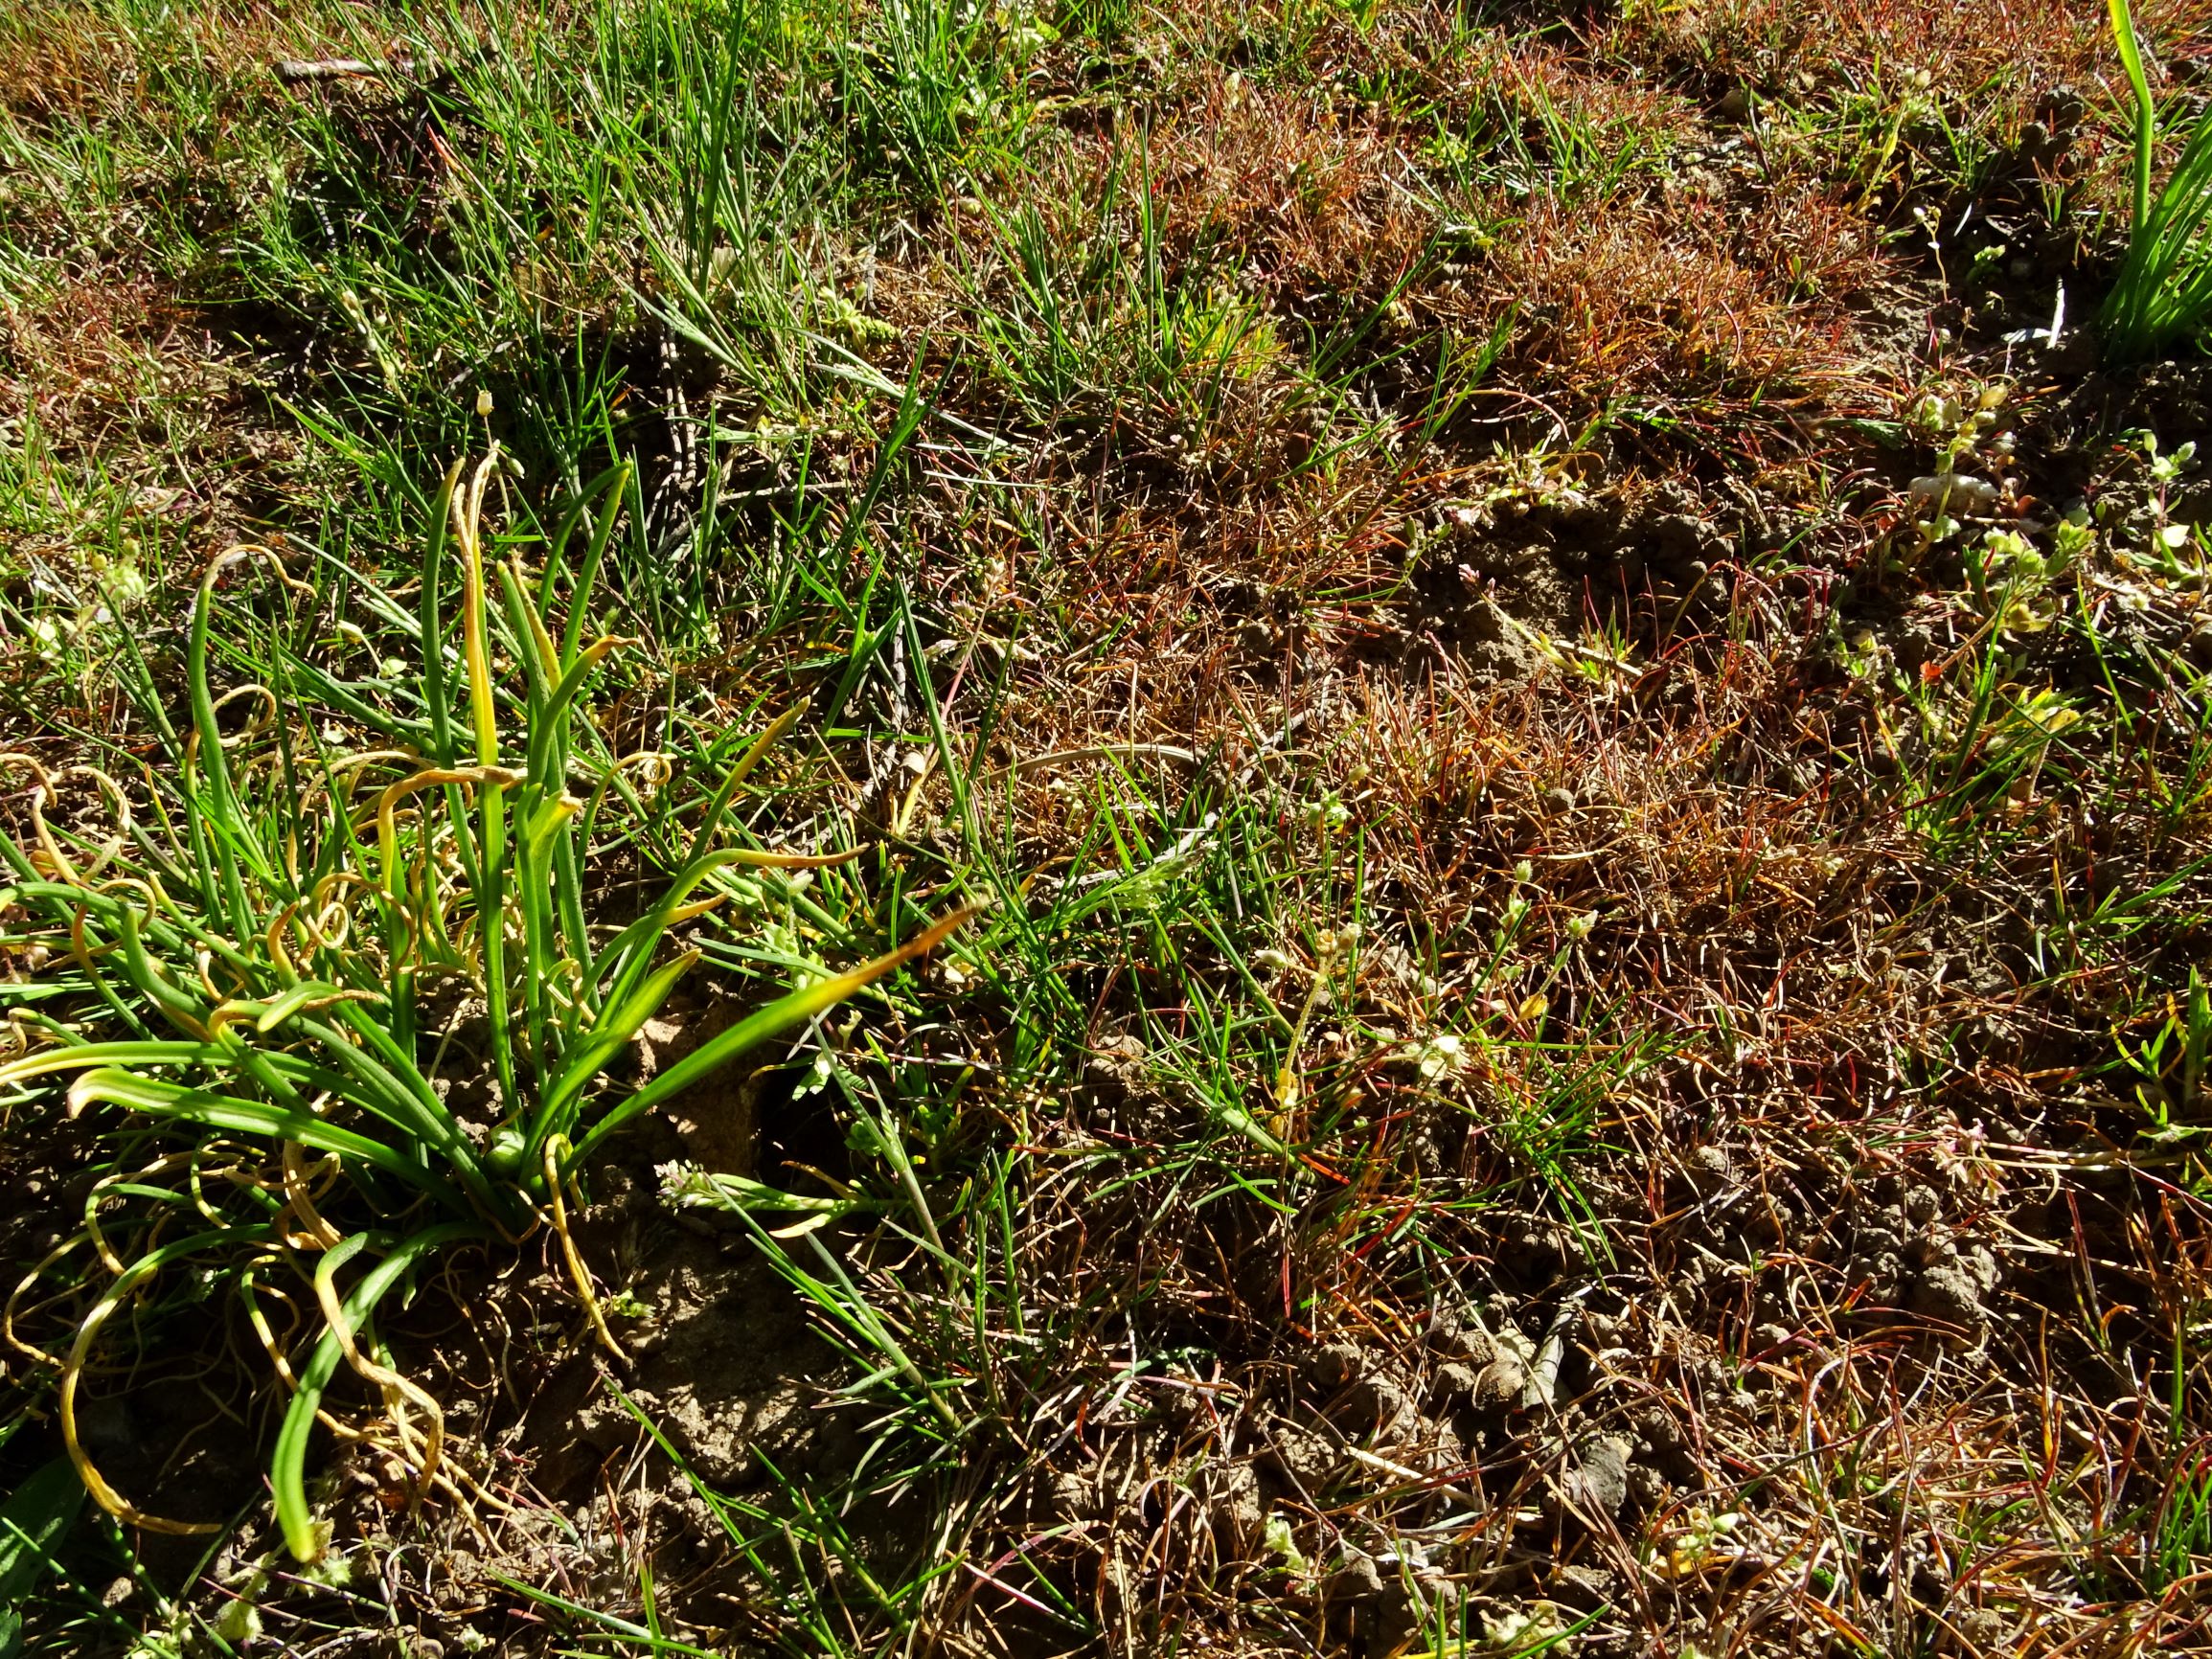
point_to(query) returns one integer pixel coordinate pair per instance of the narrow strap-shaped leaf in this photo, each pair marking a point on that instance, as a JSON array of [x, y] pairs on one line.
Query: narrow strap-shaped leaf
[[288, 1468], [468, 519], [2132, 60], [626, 954], [618, 1022], [269, 1014], [405, 1098], [544, 823], [537, 826], [791, 1009], [2182, 208], [160, 1099], [540, 656], [230, 823], [609, 488], [434, 697], [761, 858], [546, 722], [327, 688], [712, 819], [281, 1074], [488, 872], [83, 1057], [179, 1007]]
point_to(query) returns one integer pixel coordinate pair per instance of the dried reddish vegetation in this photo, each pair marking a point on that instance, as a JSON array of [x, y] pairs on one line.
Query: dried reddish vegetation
[[1305, 190], [1973, 47], [1666, 310], [1682, 289], [112, 375], [1598, 1091]]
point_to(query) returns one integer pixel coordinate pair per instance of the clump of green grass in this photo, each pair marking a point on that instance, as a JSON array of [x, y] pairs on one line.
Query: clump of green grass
[[2164, 293], [277, 949]]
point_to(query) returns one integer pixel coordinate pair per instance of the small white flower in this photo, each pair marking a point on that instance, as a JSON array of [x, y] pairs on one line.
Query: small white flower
[[1442, 1056]]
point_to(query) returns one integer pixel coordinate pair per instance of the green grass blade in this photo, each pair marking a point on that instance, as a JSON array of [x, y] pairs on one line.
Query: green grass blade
[[787, 1011], [174, 1101], [2132, 60], [85, 1055], [618, 1022], [288, 1468], [33, 1520]]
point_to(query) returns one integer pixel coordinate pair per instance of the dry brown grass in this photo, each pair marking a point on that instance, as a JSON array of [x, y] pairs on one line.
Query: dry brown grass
[[1832, 1455], [1653, 307], [137, 411], [2011, 46], [69, 63], [1713, 294], [1283, 176]]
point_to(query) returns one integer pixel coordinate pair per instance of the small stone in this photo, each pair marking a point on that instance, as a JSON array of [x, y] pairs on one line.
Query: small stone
[[1983, 1629], [1377, 1402], [1457, 1381], [1948, 1292], [1680, 538], [1500, 1383], [1463, 1338], [1309, 1458], [1656, 1425], [1476, 1347], [1601, 1481], [1407, 1610], [1357, 1578], [1233, 1500], [1074, 1498], [1334, 1365]]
